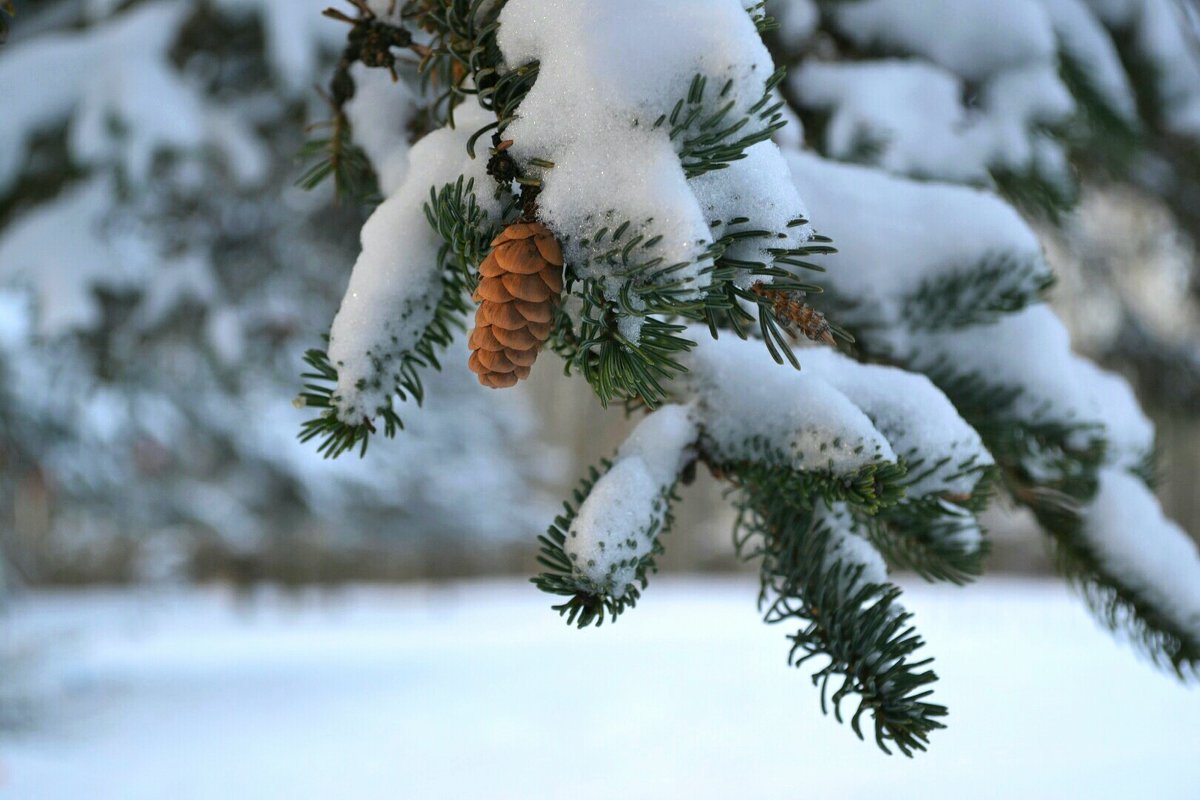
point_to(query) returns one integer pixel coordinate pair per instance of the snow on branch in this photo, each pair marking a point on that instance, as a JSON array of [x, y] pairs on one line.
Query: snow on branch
[[112, 85], [396, 284], [752, 409], [621, 117], [619, 523], [911, 114], [944, 453], [1153, 567], [916, 254]]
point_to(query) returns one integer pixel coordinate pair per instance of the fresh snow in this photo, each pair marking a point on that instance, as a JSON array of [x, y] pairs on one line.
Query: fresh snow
[[849, 549], [397, 283], [758, 190], [1143, 549], [895, 235], [380, 114], [479, 690], [974, 38], [751, 408], [607, 78], [1031, 349], [912, 116], [626, 510], [910, 112], [915, 417]]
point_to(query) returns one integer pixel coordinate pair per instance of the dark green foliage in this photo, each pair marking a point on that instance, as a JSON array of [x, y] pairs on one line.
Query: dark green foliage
[[616, 367], [1100, 136], [1036, 193], [587, 602], [455, 215], [858, 626], [464, 46], [868, 489], [708, 137], [763, 21], [999, 284], [336, 155], [619, 369], [925, 537]]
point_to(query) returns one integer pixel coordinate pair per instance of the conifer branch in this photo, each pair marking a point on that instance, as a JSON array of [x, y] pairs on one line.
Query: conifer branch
[[588, 602], [857, 625], [456, 216]]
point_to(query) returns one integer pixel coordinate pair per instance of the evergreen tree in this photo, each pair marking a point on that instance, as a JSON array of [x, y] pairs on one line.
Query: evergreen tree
[[626, 182]]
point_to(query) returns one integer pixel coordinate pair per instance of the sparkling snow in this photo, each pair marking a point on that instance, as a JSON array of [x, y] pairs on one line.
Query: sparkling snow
[[626, 509]]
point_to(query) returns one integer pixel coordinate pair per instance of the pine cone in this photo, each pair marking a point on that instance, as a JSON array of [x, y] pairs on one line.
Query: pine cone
[[521, 279]]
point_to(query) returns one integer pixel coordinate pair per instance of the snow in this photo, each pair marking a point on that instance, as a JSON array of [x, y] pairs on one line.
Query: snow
[[895, 236], [479, 690], [112, 84], [625, 511], [973, 38], [396, 283], [608, 79], [1031, 349], [759, 190], [909, 117], [1083, 38], [913, 113], [60, 254], [1129, 433], [751, 408], [917, 419], [380, 114], [295, 34], [1146, 551], [847, 548]]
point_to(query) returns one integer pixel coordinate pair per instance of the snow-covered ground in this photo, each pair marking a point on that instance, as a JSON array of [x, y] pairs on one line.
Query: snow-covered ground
[[476, 690]]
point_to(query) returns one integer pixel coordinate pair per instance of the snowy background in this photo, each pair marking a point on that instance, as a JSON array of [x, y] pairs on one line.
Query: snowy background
[[473, 690], [180, 607]]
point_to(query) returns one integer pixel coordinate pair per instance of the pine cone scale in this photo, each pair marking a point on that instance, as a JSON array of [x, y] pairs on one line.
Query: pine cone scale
[[521, 256], [530, 288], [484, 338], [492, 289], [553, 280], [520, 339], [549, 250], [520, 281]]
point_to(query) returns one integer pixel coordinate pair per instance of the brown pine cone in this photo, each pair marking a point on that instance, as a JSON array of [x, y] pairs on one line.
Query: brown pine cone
[[520, 281]]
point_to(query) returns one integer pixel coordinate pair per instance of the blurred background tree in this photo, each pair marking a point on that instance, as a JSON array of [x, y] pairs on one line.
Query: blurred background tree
[[160, 277]]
